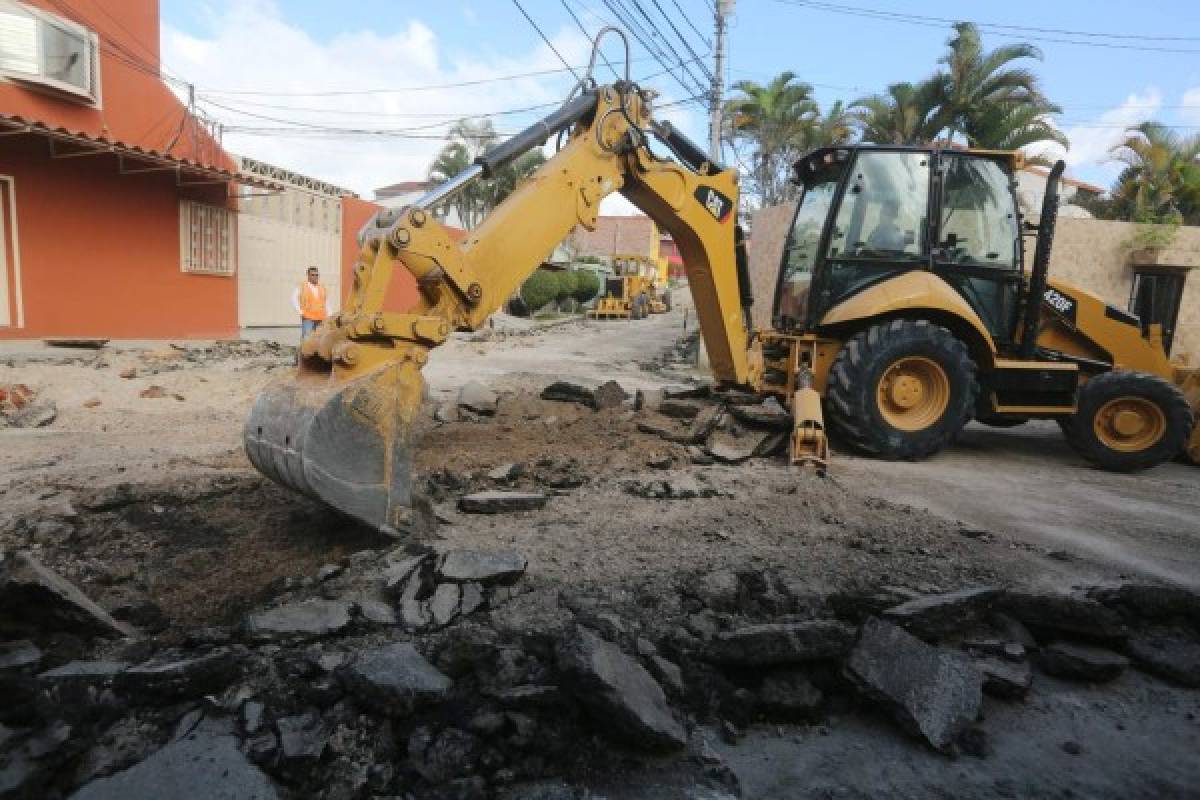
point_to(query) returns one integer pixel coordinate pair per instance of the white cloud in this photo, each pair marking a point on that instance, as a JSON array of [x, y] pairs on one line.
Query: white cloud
[[1190, 113], [1089, 156], [251, 45]]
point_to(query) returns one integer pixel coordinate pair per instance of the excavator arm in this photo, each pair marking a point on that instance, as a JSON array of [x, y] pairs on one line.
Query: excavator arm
[[340, 428]]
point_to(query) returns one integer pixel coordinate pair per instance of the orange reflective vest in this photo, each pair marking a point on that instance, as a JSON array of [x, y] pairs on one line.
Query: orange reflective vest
[[312, 301]]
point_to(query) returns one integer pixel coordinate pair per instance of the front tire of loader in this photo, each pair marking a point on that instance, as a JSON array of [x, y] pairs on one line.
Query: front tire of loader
[[901, 389], [1128, 421]]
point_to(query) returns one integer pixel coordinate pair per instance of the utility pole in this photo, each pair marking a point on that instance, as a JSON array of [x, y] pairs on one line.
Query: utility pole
[[723, 10]]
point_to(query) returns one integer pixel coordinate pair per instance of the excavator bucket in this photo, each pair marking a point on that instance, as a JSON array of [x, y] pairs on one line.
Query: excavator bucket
[[347, 444]]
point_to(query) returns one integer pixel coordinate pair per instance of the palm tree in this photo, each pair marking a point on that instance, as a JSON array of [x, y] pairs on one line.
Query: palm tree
[[467, 140], [774, 119], [1015, 126], [901, 115], [1161, 179], [978, 89], [834, 127]]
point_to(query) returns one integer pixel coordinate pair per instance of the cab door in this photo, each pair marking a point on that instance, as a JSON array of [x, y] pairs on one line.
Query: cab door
[[977, 242]]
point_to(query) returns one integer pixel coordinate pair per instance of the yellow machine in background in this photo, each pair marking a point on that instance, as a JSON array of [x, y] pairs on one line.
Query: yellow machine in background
[[903, 307], [632, 291]]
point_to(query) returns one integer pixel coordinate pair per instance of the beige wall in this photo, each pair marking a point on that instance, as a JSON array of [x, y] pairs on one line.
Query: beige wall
[[1089, 253], [768, 233], [1093, 254]]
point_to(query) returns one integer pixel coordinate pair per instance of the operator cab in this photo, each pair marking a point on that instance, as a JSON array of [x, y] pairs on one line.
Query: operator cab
[[868, 213]]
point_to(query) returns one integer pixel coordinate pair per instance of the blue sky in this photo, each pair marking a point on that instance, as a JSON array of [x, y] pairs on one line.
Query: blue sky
[[287, 47]]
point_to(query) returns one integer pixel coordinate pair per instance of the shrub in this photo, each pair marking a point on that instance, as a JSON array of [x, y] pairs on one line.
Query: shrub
[[565, 284], [587, 285], [540, 289]]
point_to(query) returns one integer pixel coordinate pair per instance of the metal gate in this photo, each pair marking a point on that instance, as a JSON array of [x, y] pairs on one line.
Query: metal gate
[[279, 236]]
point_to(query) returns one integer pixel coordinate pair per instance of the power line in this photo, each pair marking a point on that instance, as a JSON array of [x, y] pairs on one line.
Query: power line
[[587, 35], [682, 38], [631, 26], [316, 128], [656, 33], [545, 38], [399, 114], [688, 20], [1002, 30], [401, 89], [1023, 28]]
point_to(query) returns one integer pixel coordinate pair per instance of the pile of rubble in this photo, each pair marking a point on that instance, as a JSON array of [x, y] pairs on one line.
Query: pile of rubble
[[428, 673], [21, 407]]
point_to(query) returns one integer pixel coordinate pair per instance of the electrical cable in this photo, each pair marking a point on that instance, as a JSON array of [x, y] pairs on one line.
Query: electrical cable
[[997, 29], [583, 30], [545, 38]]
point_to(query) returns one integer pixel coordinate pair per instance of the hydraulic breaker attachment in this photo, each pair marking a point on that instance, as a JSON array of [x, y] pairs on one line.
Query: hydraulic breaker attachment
[[810, 448]]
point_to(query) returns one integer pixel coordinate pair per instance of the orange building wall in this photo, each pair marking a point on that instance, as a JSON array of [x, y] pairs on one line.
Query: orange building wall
[[100, 252], [402, 291], [136, 106]]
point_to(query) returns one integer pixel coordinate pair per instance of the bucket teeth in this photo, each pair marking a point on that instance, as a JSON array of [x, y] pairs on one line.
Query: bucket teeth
[[347, 444]]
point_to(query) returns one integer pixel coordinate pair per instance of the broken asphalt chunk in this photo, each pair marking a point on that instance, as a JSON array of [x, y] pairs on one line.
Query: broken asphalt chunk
[[180, 678], [1064, 613], [307, 619], [204, 764], [35, 599], [487, 568], [500, 502], [625, 702], [932, 693], [937, 615], [477, 398], [1082, 662], [395, 677], [1169, 655], [768, 414], [781, 643]]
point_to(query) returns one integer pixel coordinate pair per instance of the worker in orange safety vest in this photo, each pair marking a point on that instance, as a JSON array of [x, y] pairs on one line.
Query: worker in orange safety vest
[[311, 302]]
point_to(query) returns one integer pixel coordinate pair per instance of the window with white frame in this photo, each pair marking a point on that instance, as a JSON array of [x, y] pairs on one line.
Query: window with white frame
[[48, 51], [206, 239]]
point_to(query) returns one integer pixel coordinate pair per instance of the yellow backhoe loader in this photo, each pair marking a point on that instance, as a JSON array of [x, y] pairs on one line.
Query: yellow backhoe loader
[[903, 308], [632, 291]]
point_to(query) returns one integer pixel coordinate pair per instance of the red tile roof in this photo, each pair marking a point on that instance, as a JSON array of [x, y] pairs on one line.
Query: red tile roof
[[83, 141]]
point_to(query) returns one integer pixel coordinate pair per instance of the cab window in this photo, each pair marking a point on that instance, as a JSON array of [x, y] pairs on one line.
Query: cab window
[[884, 209], [801, 249], [979, 221]]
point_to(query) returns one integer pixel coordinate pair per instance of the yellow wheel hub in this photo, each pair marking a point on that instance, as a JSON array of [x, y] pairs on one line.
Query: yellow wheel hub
[[1129, 424], [913, 393]]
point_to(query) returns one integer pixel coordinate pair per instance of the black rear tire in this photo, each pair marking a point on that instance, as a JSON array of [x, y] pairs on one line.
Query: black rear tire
[[1102, 390], [852, 395]]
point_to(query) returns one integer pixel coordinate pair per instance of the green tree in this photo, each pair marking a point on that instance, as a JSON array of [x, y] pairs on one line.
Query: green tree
[[901, 115], [774, 121], [540, 289], [1161, 179], [565, 284], [985, 97], [467, 140], [587, 285], [833, 127], [1016, 126]]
